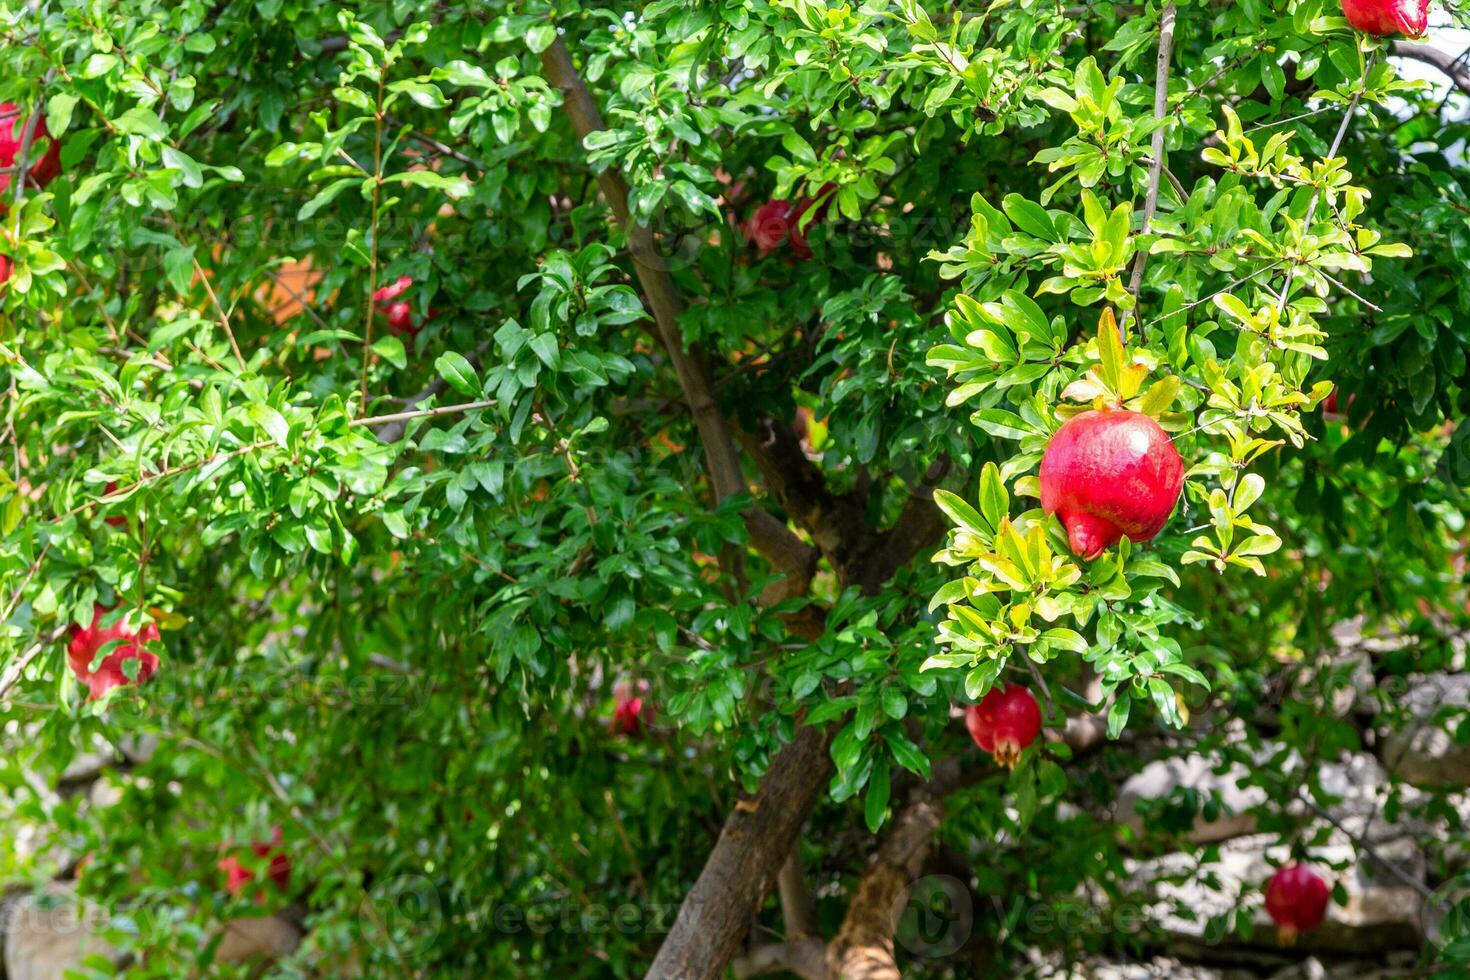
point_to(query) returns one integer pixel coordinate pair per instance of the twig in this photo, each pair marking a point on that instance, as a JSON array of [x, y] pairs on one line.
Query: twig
[[1347, 118], [1156, 171], [173, 471], [24, 660], [1367, 848]]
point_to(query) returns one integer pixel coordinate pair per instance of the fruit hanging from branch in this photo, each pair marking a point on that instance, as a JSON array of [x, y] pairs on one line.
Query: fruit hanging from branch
[[1110, 473], [399, 312], [1005, 722], [632, 710], [41, 167], [1296, 900], [114, 670], [237, 875], [1388, 17], [774, 222]]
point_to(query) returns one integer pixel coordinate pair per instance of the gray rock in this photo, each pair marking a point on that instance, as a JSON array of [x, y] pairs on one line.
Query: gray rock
[[268, 938], [1424, 750], [1161, 778], [51, 932], [1182, 897]]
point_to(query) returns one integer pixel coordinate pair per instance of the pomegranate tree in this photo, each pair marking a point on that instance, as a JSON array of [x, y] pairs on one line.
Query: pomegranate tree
[[1388, 17], [1005, 722], [1109, 473], [1296, 900], [124, 644]]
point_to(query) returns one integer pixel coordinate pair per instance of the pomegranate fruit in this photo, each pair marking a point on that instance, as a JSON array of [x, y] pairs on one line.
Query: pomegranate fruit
[[1386, 17], [398, 312], [631, 709], [85, 643], [1004, 722], [1109, 473], [44, 156], [237, 876], [769, 226], [1296, 900], [4, 271], [776, 221]]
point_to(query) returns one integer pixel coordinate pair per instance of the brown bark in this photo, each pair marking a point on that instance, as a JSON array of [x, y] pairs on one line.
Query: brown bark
[[863, 949], [743, 866], [769, 536]]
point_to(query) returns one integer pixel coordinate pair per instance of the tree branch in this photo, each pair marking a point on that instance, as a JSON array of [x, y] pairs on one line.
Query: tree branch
[[863, 949], [797, 908], [780, 545], [1453, 66], [1156, 168], [754, 843]]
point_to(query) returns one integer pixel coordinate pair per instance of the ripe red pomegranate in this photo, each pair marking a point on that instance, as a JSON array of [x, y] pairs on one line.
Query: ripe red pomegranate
[[42, 166], [5, 268], [400, 313], [237, 876], [1004, 722], [1296, 900], [631, 712], [1110, 473], [769, 226], [85, 643], [1385, 17], [776, 221]]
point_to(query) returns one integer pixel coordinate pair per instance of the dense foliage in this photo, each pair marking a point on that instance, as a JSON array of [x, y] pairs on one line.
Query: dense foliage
[[408, 638]]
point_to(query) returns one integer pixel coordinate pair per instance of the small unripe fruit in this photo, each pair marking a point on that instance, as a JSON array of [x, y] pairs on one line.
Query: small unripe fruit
[[41, 167], [1110, 473], [1296, 900], [1388, 17], [1005, 722], [85, 643]]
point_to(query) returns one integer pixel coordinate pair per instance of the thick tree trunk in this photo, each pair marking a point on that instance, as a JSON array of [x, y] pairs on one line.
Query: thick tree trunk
[[863, 949], [743, 867]]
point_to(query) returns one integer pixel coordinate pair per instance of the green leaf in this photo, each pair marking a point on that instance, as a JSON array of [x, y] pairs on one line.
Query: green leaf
[[1118, 716], [959, 512], [458, 373], [875, 807], [994, 501]]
